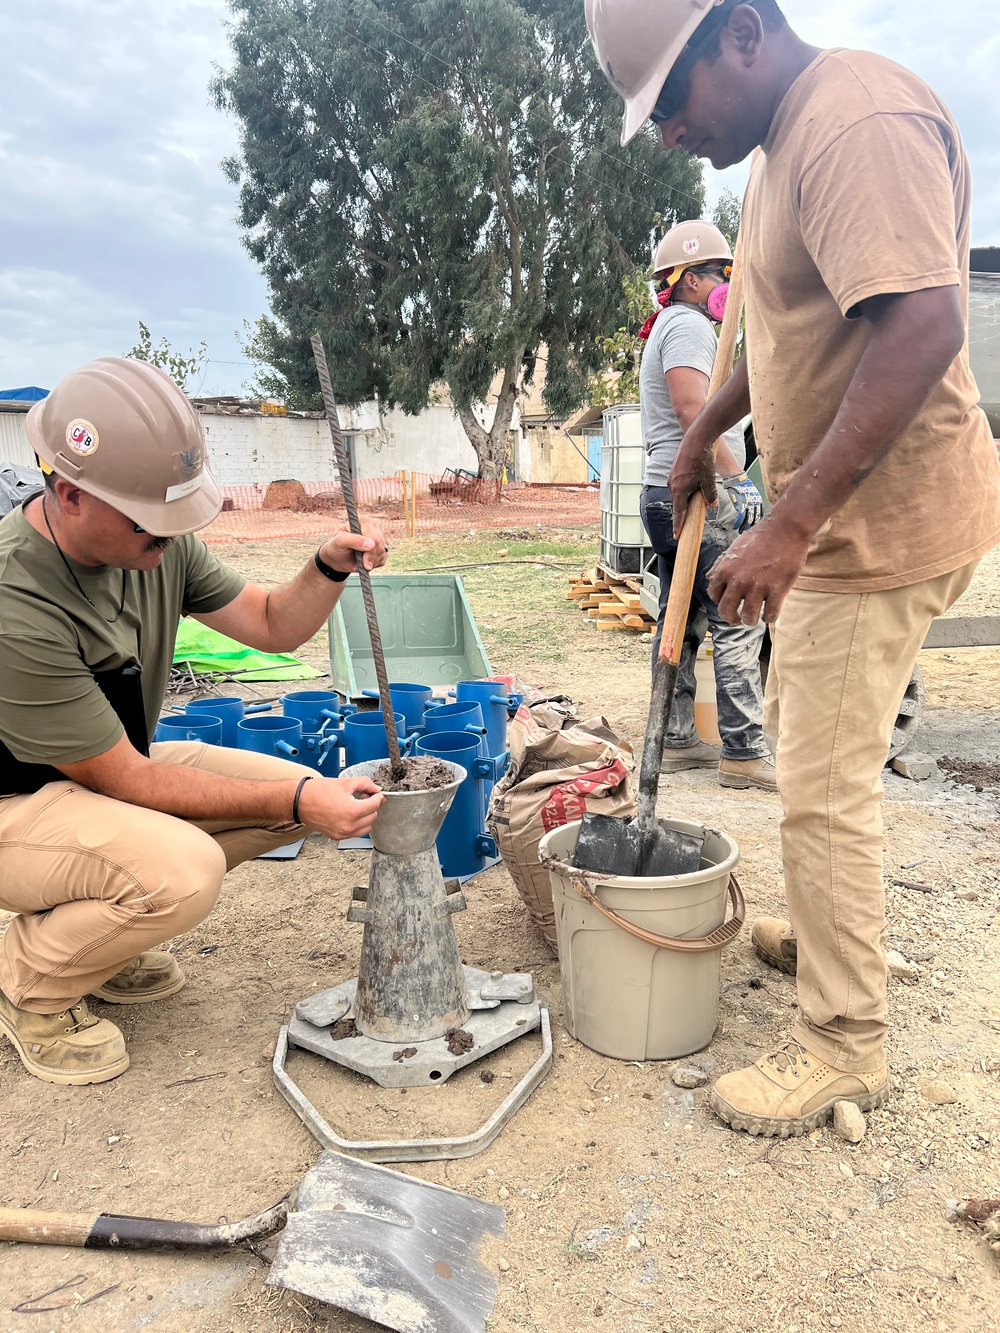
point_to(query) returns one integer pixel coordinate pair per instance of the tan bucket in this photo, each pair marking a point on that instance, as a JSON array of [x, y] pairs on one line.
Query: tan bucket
[[640, 958]]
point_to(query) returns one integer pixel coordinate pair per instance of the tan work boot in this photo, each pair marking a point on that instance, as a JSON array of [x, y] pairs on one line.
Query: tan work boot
[[71, 1047], [743, 773], [699, 755], [151, 976], [790, 1092], [776, 943]]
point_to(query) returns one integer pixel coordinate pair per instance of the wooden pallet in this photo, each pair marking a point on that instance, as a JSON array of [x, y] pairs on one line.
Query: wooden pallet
[[612, 600]]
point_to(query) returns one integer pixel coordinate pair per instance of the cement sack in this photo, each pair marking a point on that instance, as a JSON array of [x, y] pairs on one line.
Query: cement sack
[[560, 770]]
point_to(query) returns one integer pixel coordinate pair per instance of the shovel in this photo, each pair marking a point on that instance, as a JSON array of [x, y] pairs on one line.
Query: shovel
[[400, 1252], [641, 847]]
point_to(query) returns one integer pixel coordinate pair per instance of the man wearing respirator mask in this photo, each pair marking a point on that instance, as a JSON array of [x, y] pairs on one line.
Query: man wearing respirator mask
[[692, 266]]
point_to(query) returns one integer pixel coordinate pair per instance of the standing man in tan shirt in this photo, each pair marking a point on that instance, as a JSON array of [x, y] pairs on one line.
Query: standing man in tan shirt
[[879, 464]]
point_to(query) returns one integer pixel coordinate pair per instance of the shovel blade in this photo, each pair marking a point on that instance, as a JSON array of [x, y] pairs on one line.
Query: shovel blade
[[401, 1252], [665, 851], [608, 845]]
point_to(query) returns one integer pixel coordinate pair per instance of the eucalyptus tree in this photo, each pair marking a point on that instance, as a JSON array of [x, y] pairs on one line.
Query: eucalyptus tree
[[437, 186]]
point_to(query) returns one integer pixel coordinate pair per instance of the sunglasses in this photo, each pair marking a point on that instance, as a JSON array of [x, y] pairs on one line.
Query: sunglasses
[[677, 88]]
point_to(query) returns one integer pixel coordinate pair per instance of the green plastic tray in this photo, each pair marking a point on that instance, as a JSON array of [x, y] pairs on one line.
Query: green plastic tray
[[429, 633]]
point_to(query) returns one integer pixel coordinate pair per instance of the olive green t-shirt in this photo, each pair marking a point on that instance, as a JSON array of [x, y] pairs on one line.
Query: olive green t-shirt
[[863, 189], [52, 711]]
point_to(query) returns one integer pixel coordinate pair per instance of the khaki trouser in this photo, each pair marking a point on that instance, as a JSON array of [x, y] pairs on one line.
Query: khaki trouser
[[839, 667], [97, 881]]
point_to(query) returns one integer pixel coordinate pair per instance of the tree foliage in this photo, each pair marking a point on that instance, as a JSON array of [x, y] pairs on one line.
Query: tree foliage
[[726, 216], [180, 368], [618, 379], [438, 188]]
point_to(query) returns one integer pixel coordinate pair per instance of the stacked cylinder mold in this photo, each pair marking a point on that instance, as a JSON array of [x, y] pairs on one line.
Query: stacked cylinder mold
[[470, 731]]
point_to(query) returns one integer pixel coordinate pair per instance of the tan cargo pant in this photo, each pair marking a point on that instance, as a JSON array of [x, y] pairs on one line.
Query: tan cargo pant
[[839, 666], [96, 881]]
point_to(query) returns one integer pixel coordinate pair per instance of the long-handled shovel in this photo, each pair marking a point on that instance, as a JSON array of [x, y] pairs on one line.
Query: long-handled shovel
[[400, 1252], [347, 490], [607, 843]]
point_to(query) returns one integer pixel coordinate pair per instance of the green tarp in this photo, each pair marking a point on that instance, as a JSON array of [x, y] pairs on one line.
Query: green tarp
[[208, 651]]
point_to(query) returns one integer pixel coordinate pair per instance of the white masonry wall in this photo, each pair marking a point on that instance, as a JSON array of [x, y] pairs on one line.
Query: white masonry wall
[[255, 450]]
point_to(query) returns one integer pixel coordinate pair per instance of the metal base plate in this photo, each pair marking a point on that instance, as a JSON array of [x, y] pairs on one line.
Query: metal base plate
[[504, 1007], [420, 1150]]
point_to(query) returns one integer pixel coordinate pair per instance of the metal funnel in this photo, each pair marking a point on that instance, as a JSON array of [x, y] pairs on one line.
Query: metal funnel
[[408, 821]]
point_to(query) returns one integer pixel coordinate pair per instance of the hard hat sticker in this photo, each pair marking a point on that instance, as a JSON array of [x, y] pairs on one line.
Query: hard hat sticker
[[82, 437], [692, 245], [184, 488]]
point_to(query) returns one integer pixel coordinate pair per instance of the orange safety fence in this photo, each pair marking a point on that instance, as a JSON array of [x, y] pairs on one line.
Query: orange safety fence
[[407, 504]]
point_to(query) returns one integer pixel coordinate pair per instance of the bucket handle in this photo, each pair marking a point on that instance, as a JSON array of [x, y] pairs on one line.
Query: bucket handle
[[718, 939]]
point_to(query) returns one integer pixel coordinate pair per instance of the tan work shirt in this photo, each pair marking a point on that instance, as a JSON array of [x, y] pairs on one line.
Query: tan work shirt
[[52, 711], [863, 189]]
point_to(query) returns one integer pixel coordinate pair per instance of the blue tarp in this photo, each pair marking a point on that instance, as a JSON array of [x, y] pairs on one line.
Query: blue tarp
[[29, 395]]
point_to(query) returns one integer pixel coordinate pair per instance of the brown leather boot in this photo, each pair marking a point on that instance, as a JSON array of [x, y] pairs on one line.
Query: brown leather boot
[[151, 976], [71, 1047]]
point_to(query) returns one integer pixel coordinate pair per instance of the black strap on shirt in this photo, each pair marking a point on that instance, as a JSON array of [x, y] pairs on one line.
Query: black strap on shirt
[[122, 688]]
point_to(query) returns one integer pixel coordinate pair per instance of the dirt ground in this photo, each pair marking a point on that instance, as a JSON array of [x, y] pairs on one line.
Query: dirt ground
[[629, 1206]]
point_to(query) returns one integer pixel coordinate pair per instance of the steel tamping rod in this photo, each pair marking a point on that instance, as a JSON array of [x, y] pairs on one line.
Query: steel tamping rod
[[347, 489]]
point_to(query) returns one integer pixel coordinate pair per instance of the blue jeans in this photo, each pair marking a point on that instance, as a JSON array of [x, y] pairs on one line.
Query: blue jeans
[[736, 648]]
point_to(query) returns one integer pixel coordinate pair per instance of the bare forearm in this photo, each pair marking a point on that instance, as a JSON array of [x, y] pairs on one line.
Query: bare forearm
[[281, 620], [189, 793], [293, 613], [338, 807]]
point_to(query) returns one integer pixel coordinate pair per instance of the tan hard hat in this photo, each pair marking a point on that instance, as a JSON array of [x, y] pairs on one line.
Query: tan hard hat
[[123, 431], [637, 43], [686, 244]]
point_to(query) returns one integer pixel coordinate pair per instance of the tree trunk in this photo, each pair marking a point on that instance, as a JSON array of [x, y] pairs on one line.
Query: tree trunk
[[491, 445]]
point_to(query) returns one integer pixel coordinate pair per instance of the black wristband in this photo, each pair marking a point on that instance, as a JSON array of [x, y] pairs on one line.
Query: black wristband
[[295, 798], [334, 575]]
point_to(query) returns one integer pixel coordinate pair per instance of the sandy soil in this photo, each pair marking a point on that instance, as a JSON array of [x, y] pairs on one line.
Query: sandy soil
[[629, 1206]]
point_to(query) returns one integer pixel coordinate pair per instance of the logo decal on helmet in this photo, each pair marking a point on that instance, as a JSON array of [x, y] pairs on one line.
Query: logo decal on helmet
[[82, 437], [692, 245], [190, 462]]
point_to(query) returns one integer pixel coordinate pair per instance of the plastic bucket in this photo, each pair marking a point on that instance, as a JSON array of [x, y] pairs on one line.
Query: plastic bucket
[[654, 997]]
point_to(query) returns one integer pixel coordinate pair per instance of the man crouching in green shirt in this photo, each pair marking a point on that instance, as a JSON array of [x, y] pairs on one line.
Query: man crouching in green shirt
[[110, 846]]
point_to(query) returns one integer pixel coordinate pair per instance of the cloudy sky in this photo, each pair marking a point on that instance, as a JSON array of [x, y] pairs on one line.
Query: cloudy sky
[[114, 210]]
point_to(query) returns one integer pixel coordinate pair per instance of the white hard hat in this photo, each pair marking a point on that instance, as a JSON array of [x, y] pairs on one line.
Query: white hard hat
[[687, 244], [637, 43]]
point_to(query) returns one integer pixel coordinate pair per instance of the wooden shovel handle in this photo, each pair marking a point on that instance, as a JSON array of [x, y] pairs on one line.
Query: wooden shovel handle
[[38, 1228], [113, 1231], [689, 545]]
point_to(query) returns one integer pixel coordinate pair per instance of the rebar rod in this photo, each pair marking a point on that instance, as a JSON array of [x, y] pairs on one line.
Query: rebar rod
[[347, 489]]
